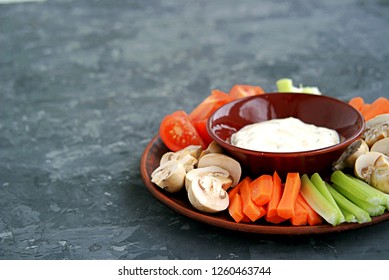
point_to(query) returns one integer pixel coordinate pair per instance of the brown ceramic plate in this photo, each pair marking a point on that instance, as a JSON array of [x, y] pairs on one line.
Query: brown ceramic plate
[[180, 204]]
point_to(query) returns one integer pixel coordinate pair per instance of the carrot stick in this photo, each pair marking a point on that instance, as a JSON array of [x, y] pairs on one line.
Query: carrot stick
[[278, 188], [357, 102], [261, 189], [275, 219], [285, 208], [251, 210], [313, 217], [378, 107], [235, 208], [275, 196], [300, 217], [236, 189]]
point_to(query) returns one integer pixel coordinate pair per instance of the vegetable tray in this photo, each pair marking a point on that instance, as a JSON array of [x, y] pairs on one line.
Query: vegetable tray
[[179, 203]]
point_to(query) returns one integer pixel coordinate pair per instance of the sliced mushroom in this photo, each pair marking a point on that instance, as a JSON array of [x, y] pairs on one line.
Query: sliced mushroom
[[189, 162], [213, 147], [377, 120], [187, 156], [192, 150], [350, 155], [380, 175], [376, 129], [228, 163], [381, 146], [364, 165], [207, 195], [215, 172], [169, 176]]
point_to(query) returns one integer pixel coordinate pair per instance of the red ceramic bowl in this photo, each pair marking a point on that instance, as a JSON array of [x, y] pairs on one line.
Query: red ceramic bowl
[[312, 109]]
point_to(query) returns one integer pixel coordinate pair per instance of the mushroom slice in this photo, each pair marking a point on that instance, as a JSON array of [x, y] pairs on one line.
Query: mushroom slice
[[213, 147], [215, 172], [364, 165], [376, 129], [350, 155], [207, 195], [380, 175], [192, 150], [377, 120], [169, 176], [381, 146], [228, 163]]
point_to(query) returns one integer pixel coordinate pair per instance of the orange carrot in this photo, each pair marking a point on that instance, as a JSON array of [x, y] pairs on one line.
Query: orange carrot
[[378, 107], [235, 208], [236, 189], [275, 196], [251, 210], [261, 189], [313, 217], [271, 213], [275, 219], [245, 219], [300, 217], [357, 102], [285, 208]]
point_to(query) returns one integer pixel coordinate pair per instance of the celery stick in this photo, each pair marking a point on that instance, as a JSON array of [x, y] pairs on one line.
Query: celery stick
[[286, 85], [349, 217], [351, 189], [361, 215], [318, 202], [320, 185], [372, 209], [369, 188]]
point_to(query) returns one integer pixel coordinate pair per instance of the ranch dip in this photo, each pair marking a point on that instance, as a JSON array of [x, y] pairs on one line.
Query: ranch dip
[[284, 135]]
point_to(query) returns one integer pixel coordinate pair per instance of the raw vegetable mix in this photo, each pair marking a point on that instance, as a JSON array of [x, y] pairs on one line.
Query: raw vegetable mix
[[357, 190]]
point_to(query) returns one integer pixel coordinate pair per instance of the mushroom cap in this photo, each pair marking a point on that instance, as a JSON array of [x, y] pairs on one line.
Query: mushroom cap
[[226, 162], [213, 171], [213, 147], [350, 155], [207, 195], [169, 176], [192, 150], [380, 175], [376, 129], [364, 165], [381, 146]]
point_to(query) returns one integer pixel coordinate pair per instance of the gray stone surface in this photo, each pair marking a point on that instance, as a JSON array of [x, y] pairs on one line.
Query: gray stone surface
[[84, 85]]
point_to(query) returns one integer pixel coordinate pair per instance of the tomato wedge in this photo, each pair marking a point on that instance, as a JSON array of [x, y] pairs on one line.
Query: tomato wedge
[[239, 91], [204, 110], [201, 127], [177, 131]]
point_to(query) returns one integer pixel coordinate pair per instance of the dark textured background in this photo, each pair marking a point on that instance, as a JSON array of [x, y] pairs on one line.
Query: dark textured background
[[84, 85]]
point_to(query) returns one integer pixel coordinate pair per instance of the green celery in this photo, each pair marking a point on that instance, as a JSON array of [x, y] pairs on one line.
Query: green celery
[[286, 85], [372, 209], [320, 185], [369, 188], [361, 215], [349, 217], [351, 188], [318, 202]]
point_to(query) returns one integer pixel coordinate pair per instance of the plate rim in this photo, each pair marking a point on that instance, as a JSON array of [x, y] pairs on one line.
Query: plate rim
[[215, 219]]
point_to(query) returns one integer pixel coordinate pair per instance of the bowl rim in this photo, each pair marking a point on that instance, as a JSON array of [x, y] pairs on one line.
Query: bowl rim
[[314, 152]]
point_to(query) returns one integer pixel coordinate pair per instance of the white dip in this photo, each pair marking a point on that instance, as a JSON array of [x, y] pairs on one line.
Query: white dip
[[284, 135]]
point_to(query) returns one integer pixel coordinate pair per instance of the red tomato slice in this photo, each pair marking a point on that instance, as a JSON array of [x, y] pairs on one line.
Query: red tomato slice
[[239, 91], [177, 131], [201, 127], [210, 104]]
